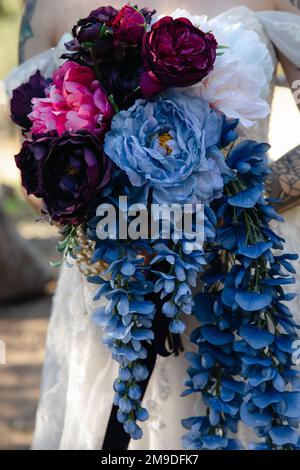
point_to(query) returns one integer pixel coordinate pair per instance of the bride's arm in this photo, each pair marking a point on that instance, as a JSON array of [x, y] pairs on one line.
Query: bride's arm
[[293, 76], [37, 34], [284, 182], [292, 6], [37, 31]]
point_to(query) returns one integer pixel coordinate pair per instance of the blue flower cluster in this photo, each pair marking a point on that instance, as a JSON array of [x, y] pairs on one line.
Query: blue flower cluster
[[177, 269], [137, 270], [127, 320], [243, 367]]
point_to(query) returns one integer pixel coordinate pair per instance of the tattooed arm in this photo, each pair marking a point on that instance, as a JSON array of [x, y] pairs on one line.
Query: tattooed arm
[[295, 3], [37, 31], [284, 182], [37, 34], [26, 27], [291, 6]]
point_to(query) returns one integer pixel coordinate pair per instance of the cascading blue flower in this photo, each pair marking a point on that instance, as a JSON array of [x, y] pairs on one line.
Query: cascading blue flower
[[247, 331], [126, 319], [243, 365]]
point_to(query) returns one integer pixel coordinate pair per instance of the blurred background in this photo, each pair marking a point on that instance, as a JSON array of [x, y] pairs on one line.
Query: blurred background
[[27, 246], [26, 279]]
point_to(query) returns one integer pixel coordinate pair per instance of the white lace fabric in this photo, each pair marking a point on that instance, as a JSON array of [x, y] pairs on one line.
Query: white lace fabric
[[76, 396]]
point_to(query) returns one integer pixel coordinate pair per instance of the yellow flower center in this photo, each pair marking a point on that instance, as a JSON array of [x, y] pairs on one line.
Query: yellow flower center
[[71, 170], [163, 142]]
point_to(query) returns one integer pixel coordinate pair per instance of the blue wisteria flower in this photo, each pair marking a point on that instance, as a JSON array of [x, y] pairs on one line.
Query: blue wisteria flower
[[170, 145]]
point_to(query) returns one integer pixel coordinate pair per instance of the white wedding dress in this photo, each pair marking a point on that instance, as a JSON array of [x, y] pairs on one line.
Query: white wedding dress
[[76, 395]]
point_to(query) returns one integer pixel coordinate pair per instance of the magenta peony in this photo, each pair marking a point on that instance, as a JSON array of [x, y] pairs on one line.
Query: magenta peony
[[129, 26], [75, 101]]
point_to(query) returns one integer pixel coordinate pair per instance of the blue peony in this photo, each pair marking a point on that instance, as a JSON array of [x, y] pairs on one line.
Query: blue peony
[[170, 145]]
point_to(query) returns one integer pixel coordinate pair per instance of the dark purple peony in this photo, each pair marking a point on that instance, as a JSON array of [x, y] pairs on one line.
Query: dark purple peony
[[89, 29], [104, 14], [92, 32], [95, 32], [67, 172], [129, 26], [120, 66], [176, 54], [20, 104], [124, 84]]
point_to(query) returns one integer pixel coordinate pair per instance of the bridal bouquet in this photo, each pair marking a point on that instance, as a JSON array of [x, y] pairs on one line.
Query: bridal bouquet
[[129, 138]]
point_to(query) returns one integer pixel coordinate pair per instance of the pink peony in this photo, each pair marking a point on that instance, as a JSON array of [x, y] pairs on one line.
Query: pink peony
[[74, 101]]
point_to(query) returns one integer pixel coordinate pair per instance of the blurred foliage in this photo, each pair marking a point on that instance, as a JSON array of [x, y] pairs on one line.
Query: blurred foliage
[[15, 205], [10, 17]]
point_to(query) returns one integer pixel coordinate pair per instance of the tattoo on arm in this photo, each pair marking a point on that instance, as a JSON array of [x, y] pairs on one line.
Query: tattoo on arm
[[284, 182], [296, 3], [26, 30]]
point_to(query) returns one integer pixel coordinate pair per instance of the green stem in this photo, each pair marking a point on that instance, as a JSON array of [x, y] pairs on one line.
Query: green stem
[[96, 65]]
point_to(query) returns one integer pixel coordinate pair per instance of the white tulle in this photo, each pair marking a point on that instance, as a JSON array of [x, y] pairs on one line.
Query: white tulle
[[76, 395]]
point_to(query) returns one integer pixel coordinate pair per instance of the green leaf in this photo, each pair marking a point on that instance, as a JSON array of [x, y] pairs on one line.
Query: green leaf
[[56, 264], [102, 31], [60, 247], [87, 45], [114, 104]]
